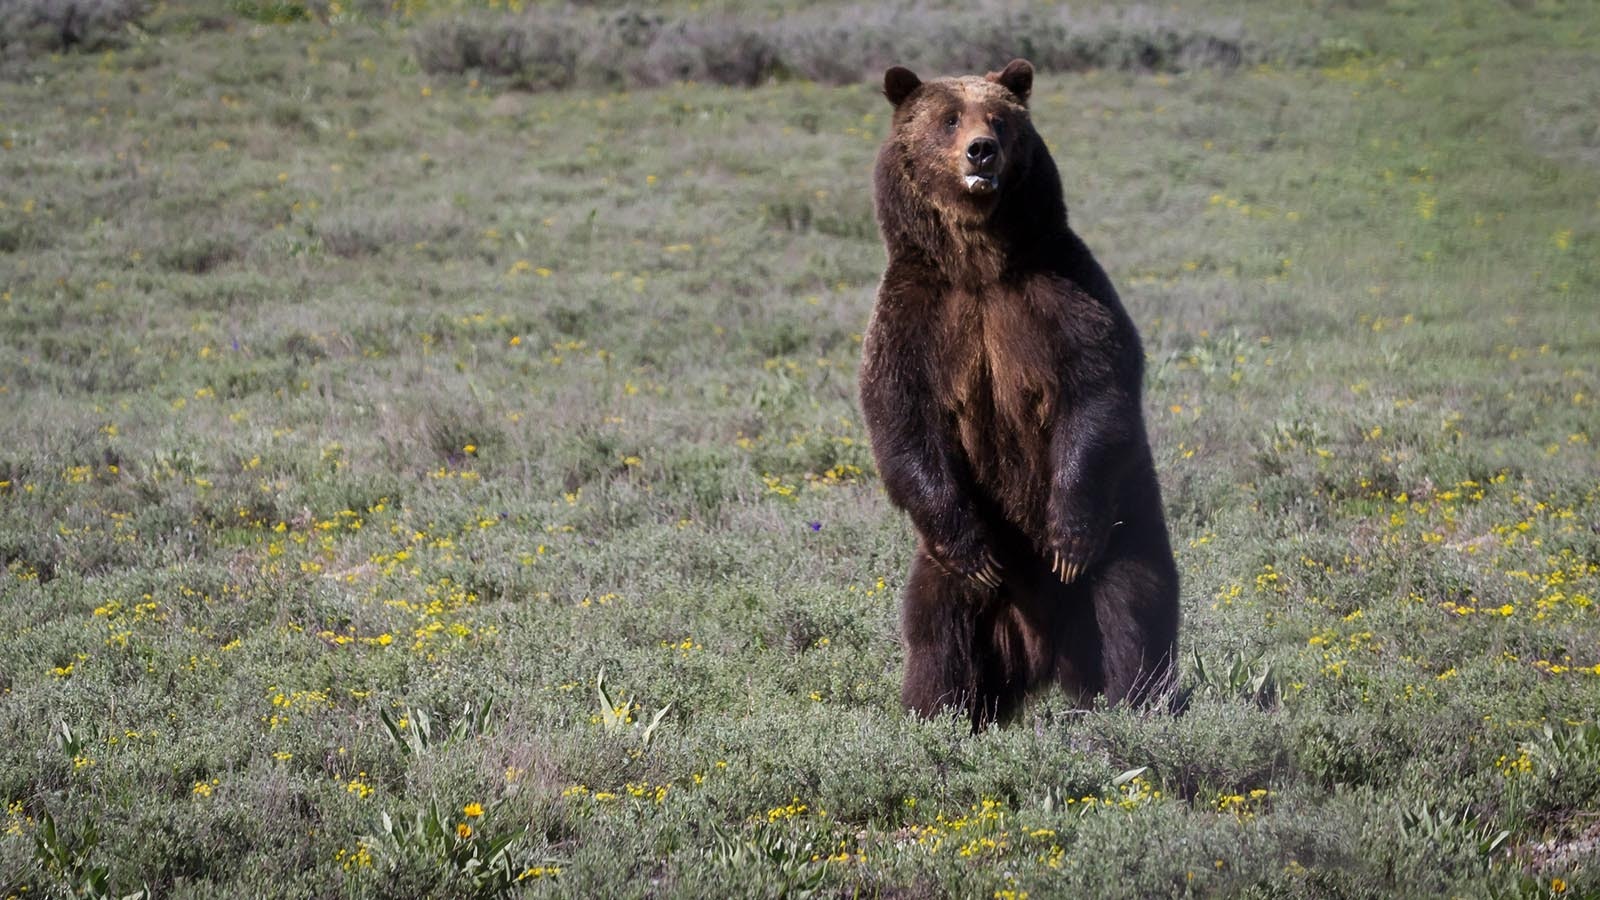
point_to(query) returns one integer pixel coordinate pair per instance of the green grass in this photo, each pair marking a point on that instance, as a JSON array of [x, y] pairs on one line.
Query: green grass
[[340, 398]]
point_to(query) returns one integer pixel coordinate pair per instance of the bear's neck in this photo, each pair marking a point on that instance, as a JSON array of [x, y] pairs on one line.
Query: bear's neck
[[975, 252], [966, 249]]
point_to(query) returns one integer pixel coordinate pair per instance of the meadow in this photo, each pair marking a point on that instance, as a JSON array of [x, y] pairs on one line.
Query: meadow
[[427, 476]]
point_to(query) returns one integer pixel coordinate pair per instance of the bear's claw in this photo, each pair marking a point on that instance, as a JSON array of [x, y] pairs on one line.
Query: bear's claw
[[986, 570], [1066, 568], [988, 574]]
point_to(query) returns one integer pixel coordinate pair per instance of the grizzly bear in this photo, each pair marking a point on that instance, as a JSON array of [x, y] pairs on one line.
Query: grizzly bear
[[1000, 382]]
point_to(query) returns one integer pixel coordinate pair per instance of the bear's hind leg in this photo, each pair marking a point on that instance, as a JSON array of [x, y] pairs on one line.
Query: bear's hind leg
[[1009, 650], [1135, 602], [937, 618], [962, 650]]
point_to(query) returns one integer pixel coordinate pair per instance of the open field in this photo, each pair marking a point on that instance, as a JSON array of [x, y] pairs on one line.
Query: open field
[[355, 418]]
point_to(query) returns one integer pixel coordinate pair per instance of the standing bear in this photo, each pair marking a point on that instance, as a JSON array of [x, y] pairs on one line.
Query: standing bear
[[1000, 381]]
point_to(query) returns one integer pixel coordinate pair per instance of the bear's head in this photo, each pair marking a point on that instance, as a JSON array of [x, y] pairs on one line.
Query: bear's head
[[963, 141]]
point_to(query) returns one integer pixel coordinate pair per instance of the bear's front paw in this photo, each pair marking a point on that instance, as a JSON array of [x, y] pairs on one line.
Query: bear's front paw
[[1075, 548], [968, 558]]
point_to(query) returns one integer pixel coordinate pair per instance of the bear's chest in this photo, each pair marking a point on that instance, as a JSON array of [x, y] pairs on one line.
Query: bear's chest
[[1001, 365]]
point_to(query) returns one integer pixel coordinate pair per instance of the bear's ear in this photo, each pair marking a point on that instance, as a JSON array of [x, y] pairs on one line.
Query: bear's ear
[[1016, 77], [898, 83]]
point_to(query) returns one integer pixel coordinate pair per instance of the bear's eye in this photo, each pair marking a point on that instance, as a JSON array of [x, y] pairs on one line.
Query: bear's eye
[[999, 125], [951, 120]]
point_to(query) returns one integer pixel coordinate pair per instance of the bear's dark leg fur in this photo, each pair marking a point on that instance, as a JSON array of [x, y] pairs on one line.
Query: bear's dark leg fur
[[965, 647], [939, 619], [1134, 595], [1078, 664]]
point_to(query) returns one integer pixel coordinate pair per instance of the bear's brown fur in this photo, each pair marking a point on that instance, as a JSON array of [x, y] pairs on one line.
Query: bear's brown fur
[[1001, 381]]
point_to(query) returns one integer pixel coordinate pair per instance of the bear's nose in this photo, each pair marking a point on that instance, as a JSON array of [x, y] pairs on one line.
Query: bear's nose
[[982, 151]]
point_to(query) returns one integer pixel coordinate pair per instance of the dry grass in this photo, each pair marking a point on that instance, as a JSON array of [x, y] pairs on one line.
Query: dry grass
[[546, 50], [29, 27]]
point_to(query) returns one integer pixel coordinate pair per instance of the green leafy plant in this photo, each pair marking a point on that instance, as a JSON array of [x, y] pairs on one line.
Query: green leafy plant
[[618, 717], [68, 858], [1563, 769], [1239, 677], [1057, 798], [69, 741], [783, 865], [417, 731], [480, 860], [1567, 749], [1128, 776], [1453, 829]]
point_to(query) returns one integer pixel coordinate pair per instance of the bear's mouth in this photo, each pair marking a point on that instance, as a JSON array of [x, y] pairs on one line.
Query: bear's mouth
[[982, 183]]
